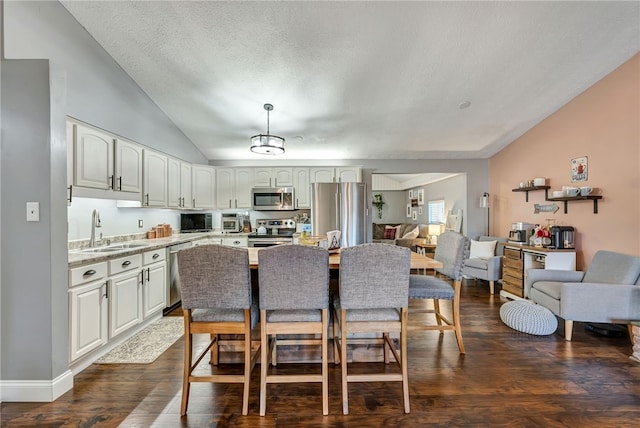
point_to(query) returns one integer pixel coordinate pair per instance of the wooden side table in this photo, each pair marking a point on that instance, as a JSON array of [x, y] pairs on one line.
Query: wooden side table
[[426, 249]]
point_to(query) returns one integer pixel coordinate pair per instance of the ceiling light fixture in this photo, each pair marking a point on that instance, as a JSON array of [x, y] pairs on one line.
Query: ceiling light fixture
[[267, 144]]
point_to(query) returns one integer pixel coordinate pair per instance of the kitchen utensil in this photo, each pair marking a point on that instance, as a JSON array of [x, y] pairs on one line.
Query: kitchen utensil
[[262, 230]]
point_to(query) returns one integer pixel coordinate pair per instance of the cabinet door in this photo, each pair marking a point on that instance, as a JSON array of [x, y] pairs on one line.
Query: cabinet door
[[244, 180], [321, 175], [185, 185], [225, 188], [203, 186], [155, 179], [262, 177], [239, 241], [93, 158], [282, 177], [302, 187], [125, 302], [128, 167], [348, 174], [87, 318], [154, 288], [174, 195]]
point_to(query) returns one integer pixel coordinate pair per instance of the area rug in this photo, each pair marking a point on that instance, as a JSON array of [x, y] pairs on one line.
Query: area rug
[[149, 344]]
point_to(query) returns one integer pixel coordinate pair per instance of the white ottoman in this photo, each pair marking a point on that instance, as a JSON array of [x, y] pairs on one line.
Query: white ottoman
[[528, 317]]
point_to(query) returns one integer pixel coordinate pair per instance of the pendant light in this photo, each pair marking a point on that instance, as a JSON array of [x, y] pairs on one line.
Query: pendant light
[[267, 144]]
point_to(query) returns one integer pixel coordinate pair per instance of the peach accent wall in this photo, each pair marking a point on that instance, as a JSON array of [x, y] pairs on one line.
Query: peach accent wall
[[602, 123]]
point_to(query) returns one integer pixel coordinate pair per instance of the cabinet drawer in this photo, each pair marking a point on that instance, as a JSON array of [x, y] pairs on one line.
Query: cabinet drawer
[[87, 273], [124, 264], [512, 280], [154, 256], [512, 254], [509, 271], [513, 290], [513, 264]]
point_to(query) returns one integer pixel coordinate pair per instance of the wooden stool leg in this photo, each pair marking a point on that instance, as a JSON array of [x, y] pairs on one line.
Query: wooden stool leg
[[187, 364]]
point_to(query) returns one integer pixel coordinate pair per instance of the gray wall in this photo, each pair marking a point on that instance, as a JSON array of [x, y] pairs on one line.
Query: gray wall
[[99, 92]]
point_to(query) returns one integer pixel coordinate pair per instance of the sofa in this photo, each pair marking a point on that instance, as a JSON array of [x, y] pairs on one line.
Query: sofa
[[485, 260], [402, 229], [608, 292]]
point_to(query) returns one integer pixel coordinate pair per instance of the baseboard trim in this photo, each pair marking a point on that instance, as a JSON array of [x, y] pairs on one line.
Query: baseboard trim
[[36, 390]]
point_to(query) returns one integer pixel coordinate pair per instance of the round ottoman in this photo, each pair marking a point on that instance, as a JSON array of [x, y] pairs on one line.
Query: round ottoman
[[528, 317]]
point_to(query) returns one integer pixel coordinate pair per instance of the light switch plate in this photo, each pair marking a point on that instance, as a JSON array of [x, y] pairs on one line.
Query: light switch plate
[[33, 211]]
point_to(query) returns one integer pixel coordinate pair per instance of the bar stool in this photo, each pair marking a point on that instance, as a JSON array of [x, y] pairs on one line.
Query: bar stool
[[216, 299], [294, 300]]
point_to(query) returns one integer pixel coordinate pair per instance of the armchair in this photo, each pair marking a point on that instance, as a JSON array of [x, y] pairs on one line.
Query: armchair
[[489, 266], [608, 292]]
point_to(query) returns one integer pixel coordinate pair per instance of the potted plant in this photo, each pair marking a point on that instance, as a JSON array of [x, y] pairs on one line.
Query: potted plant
[[379, 203]]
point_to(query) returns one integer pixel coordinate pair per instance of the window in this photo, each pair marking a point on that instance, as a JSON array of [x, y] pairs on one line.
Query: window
[[435, 212]]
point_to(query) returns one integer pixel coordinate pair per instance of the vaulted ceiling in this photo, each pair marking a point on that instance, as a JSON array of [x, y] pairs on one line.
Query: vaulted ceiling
[[362, 80]]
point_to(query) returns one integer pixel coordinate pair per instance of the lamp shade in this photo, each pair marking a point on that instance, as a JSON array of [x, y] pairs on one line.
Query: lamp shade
[[484, 200], [267, 144]]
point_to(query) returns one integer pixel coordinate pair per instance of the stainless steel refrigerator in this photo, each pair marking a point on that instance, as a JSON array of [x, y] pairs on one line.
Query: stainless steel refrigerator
[[340, 206]]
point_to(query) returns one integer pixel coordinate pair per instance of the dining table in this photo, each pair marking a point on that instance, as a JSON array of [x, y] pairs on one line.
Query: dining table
[[418, 261]]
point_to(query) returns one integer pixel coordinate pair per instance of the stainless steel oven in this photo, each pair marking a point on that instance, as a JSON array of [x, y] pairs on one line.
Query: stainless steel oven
[[267, 241], [272, 232]]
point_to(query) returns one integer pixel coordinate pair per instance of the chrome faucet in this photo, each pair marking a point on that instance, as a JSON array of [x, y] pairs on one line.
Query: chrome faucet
[[95, 222]]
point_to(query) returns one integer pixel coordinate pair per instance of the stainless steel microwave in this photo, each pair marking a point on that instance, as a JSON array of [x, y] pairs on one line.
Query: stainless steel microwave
[[196, 222], [273, 198]]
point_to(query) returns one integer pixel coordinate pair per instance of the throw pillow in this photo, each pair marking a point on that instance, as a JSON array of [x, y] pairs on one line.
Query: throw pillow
[[412, 234], [389, 232], [482, 249]]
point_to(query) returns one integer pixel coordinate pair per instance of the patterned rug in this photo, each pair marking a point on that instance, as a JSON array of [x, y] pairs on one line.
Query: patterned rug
[[149, 344]]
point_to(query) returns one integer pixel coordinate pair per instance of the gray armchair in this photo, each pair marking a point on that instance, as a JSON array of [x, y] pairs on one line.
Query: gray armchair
[[487, 268], [608, 292]]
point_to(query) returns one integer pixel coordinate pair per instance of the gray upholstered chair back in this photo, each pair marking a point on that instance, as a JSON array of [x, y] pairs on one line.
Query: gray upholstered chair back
[[374, 276], [452, 251], [609, 267], [215, 277], [293, 277]]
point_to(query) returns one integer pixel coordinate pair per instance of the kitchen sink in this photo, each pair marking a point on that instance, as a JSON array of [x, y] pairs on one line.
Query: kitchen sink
[[112, 248]]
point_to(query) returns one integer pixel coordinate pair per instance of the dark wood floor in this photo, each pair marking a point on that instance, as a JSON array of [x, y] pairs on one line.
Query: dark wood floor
[[505, 379]]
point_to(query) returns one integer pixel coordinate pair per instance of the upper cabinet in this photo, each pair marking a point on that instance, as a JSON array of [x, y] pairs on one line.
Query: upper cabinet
[[335, 175], [179, 184], [302, 187], [273, 177], [154, 179], [321, 175], [203, 186], [233, 187], [348, 174], [102, 165]]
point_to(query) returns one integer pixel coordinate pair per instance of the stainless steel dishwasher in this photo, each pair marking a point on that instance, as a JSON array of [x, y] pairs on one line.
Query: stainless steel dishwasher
[[174, 294]]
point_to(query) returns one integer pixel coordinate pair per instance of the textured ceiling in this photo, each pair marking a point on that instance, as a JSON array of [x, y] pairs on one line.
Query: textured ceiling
[[362, 80]]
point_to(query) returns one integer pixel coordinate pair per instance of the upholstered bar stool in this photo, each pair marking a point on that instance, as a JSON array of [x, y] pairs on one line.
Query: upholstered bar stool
[[374, 296], [294, 300], [216, 299]]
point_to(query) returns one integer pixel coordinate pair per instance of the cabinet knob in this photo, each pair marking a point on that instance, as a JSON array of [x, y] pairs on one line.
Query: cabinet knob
[[89, 273], [126, 263], [156, 255]]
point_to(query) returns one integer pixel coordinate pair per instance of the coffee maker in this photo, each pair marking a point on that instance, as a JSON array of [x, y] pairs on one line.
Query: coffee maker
[[520, 233], [562, 237]]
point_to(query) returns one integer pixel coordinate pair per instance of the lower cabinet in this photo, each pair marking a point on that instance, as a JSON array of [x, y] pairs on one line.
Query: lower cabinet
[[154, 282], [238, 241], [125, 302], [87, 318]]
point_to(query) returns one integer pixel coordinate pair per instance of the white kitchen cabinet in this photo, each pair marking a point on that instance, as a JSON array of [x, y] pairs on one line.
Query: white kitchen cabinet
[[154, 179], [233, 187], [125, 293], [208, 241], [302, 187], [92, 157], [88, 309], [203, 186], [128, 167], [236, 241], [348, 174], [273, 177], [179, 184], [321, 175], [154, 281]]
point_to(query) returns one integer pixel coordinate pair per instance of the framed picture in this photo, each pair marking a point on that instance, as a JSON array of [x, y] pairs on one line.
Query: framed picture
[[414, 202], [410, 194], [408, 210], [419, 210], [421, 197], [579, 169], [414, 215]]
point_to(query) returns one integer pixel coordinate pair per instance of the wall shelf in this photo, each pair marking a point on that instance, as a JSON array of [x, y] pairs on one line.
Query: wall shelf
[[533, 188], [566, 199]]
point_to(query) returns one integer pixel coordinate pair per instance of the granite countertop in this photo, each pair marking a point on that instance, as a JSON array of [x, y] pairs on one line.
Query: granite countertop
[[78, 256]]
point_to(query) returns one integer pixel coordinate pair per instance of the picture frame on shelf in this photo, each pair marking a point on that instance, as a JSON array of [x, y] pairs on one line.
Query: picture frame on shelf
[[420, 197], [579, 169]]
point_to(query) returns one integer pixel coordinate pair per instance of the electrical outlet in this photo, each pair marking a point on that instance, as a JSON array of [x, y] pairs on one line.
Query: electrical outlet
[[140, 223], [33, 211]]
